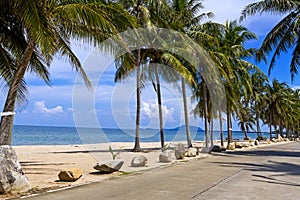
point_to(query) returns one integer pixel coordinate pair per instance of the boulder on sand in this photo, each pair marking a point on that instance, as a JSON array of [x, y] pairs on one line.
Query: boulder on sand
[[70, 175], [216, 148], [179, 151], [166, 156], [231, 146], [109, 166], [192, 152], [139, 161], [12, 177], [241, 144]]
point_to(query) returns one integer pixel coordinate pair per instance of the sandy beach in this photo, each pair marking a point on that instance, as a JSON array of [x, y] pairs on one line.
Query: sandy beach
[[42, 164]]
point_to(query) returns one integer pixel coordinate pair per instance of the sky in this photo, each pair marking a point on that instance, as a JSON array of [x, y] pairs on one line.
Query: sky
[[113, 105]]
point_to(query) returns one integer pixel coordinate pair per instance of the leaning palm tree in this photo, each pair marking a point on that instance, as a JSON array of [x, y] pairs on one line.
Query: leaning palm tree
[[284, 36], [48, 27], [32, 33]]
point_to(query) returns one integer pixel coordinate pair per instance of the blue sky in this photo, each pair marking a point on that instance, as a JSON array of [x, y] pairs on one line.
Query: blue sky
[[115, 103]]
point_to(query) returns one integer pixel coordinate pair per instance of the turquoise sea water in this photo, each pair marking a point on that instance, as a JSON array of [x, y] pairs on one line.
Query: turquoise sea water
[[45, 135]]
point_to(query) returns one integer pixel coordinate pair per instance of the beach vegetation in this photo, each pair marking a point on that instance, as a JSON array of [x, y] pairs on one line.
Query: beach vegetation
[[113, 153]]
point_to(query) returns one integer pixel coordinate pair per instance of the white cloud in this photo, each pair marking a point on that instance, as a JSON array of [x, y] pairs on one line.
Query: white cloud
[[297, 87], [40, 107], [231, 10], [226, 9], [151, 110]]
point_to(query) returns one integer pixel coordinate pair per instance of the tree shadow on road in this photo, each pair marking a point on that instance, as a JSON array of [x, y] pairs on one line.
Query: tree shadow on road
[[261, 152], [271, 180], [281, 168], [269, 171]]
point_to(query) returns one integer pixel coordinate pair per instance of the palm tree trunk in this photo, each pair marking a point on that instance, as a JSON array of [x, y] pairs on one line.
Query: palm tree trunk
[[9, 106], [186, 115], [270, 117], [244, 131], [271, 132], [212, 131], [221, 128], [281, 128], [137, 147], [258, 130], [161, 128], [205, 115], [229, 127]]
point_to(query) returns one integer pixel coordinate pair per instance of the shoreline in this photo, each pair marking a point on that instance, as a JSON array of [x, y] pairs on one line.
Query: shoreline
[[42, 163]]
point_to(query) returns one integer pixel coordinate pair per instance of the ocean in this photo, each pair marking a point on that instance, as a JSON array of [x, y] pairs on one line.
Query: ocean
[[49, 135]]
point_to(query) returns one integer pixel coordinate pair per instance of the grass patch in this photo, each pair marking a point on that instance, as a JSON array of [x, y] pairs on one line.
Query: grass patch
[[125, 173]]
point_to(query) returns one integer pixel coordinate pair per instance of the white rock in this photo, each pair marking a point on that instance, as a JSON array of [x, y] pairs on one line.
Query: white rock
[[166, 156], [280, 139], [192, 152], [241, 144], [139, 161], [12, 177]]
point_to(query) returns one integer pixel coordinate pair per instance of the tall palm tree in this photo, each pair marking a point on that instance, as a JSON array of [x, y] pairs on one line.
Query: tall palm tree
[[257, 98], [284, 35], [185, 17], [155, 73], [127, 63], [225, 45]]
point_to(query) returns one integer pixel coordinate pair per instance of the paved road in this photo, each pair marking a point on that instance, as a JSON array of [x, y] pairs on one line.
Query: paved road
[[271, 172]]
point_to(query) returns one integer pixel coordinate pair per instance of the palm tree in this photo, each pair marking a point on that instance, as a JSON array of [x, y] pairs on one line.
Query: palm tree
[[185, 15], [284, 34], [125, 64], [245, 119], [257, 98], [168, 75], [48, 27], [225, 45], [279, 104]]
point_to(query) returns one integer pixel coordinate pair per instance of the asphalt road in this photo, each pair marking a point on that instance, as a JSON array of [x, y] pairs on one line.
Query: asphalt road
[[271, 172]]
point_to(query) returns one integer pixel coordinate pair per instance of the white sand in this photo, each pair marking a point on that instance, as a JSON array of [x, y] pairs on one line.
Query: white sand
[[42, 164]]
